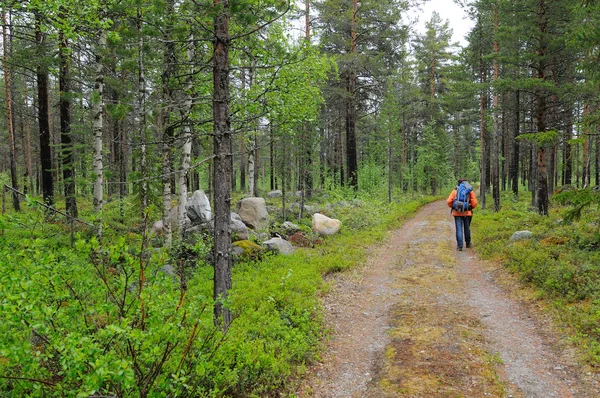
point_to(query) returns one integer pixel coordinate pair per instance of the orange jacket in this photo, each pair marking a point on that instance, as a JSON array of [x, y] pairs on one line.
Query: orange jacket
[[472, 203]]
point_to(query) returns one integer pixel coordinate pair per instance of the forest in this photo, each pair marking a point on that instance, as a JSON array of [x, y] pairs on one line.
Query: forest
[[116, 111]]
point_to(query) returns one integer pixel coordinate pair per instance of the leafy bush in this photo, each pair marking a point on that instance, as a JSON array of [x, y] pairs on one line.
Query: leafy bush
[[126, 319]]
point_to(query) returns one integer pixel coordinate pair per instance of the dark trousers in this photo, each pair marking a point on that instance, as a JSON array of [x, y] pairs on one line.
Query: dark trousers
[[463, 223]]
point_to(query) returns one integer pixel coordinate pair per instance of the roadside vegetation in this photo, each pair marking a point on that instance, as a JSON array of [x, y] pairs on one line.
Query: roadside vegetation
[[126, 316], [561, 260]]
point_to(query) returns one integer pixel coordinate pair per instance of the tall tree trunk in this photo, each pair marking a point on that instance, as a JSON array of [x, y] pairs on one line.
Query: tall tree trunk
[[28, 154], [483, 133], [43, 116], [222, 164], [251, 171], [142, 113], [585, 176], [98, 129], [351, 150], [67, 149], [496, 138], [169, 62], [540, 110], [514, 172], [482, 124], [272, 157], [9, 115], [186, 150]]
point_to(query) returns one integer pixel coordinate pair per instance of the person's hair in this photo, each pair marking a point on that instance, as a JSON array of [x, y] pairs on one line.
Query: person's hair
[[460, 180]]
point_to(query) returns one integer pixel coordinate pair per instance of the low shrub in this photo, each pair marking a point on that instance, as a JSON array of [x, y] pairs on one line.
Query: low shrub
[[126, 319], [561, 260]]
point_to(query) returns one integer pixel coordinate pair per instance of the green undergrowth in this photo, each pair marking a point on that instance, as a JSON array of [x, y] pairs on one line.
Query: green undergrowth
[[561, 261], [124, 318]]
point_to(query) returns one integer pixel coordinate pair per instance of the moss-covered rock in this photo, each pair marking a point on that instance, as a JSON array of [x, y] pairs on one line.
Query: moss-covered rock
[[246, 250]]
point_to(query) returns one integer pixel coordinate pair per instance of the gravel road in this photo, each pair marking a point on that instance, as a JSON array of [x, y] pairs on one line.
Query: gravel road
[[420, 319]]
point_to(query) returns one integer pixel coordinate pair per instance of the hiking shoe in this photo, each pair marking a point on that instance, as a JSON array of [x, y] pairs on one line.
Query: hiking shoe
[[468, 245], [459, 249]]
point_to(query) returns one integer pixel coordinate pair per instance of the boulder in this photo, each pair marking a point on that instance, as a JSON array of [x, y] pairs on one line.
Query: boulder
[[198, 208], [246, 249], [253, 212], [290, 227], [278, 245], [274, 194], [521, 235], [157, 228], [190, 230], [239, 230], [324, 225]]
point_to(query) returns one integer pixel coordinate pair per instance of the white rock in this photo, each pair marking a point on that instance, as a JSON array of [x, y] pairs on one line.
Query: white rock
[[198, 208], [324, 225]]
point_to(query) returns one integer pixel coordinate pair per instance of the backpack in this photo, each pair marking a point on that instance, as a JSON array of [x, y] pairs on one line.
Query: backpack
[[461, 203]]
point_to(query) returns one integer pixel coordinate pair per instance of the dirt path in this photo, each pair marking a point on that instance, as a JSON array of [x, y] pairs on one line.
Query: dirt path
[[421, 319]]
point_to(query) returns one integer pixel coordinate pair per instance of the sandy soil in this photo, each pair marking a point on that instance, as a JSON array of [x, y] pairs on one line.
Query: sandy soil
[[421, 319]]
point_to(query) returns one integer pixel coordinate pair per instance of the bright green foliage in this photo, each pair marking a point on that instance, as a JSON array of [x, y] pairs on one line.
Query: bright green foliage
[[561, 260], [127, 319]]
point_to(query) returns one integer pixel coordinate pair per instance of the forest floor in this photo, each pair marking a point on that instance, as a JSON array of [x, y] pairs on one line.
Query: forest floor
[[421, 319]]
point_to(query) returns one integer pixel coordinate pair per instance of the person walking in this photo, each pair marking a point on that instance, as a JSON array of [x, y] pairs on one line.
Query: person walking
[[462, 201]]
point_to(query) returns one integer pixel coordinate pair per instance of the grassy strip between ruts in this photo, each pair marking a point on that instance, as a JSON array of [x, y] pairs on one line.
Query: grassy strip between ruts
[[111, 319], [560, 261]]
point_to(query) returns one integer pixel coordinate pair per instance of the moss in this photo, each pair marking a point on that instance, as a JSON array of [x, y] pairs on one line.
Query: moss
[[250, 248]]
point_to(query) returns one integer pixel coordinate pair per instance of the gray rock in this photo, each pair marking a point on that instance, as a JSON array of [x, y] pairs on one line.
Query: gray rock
[[253, 212], [274, 194], [235, 216], [157, 228], [237, 252], [278, 245], [259, 236], [239, 230], [521, 235], [290, 227], [198, 208], [191, 229]]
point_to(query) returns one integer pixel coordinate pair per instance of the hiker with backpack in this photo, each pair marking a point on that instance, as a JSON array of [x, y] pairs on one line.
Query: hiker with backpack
[[462, 201]]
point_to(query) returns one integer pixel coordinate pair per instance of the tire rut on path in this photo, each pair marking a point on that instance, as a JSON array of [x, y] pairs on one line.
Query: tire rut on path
[[421, 319]]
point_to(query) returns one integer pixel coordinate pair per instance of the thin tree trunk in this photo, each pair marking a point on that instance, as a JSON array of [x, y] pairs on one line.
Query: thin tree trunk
[[67, 149], [169, 62], [243, 146], [351, 150], [98, 129], [222, 165], [44, 117], [495, 154], [272, 156], [186, 150], [515, 155], [28, 162], [482, 126], [540, 112], [142, 114], [11, 134], [585, 178], [251, 171]]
